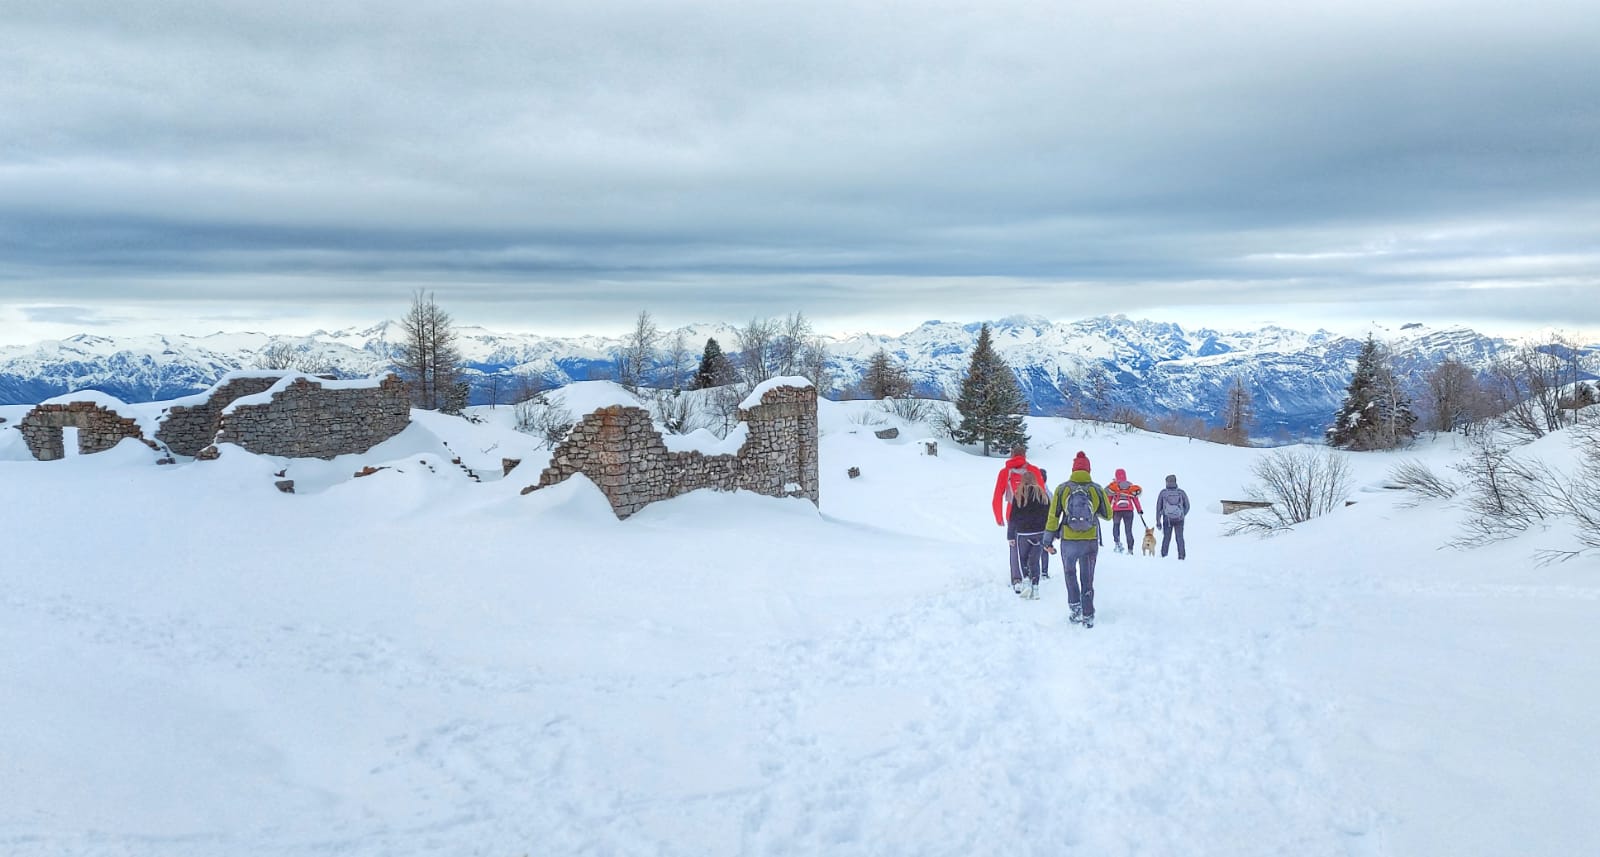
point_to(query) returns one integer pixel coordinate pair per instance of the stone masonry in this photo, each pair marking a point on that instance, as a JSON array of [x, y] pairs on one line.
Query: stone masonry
[[188, 429], [619, 449], [308, 420], [99, 429]]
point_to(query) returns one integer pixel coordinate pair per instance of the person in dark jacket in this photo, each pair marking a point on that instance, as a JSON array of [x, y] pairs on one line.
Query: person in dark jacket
[[1172, 506], [1030, 506], [1006, 486]]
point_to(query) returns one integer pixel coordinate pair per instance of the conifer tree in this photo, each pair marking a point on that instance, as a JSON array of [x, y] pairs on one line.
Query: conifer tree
[[991, 404], [1238, 414], [715, 370], [1376, 413], [885, 378], [427, 357]]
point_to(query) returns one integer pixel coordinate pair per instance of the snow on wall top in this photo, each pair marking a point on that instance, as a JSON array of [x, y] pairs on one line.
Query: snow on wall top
[[761, 389], [265, 396], [104, 400]]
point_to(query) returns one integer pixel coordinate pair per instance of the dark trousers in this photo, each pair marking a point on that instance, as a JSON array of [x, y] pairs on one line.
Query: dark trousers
[[1078, 557], [1028, 558], [1122, 522], [1166, 537]]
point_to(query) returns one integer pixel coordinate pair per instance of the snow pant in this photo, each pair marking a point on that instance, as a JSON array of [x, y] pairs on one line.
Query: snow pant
[[1078, 558], [1166, 537], [1030, 556], [1122, 522]]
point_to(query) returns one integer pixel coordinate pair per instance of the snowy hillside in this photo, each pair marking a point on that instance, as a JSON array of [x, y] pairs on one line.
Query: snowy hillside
[[1298, 379], [417, 663]]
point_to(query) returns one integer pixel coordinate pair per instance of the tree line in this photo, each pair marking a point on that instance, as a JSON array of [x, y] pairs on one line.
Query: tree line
[[1533, 390]]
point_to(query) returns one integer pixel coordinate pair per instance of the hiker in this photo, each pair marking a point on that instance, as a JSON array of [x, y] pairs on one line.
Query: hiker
[[1006, 486], [1172, 506], [1124, 503], [1076, 510], [1030, 507]]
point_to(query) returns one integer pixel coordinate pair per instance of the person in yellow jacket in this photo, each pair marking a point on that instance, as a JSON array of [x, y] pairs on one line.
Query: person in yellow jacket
[[1076, 510]]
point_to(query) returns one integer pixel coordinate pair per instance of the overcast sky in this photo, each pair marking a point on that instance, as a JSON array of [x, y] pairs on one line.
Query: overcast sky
[[193, 166]]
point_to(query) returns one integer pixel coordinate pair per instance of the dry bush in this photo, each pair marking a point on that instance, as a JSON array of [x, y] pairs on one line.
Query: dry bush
[[547, 420], [1301, 484], [908, 409], [1504, 494], [1422, 481], [676, 413]]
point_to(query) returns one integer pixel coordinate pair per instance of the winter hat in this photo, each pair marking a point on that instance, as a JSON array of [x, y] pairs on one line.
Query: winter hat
[[1122, 475], [1172, 481], [1080, 462]]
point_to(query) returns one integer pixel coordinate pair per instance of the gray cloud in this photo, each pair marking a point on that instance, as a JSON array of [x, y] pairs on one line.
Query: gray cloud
[[533, 160], [71, 315]]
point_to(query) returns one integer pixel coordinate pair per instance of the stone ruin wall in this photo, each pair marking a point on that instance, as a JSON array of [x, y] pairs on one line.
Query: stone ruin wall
[[308, 420], [619, 449], [188, 429], [99, 429], [305, 420]]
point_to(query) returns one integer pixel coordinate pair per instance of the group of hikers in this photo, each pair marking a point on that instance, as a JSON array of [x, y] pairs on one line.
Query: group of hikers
[[1036, 519]]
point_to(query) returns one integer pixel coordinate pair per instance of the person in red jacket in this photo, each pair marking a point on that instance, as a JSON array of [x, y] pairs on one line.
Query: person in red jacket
[[1124, 502], [1006, 486]]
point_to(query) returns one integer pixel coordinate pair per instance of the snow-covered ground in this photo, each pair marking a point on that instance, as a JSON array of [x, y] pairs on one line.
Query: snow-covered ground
[[417, 663]]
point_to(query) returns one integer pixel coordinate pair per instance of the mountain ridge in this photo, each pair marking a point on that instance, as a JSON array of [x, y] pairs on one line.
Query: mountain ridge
[[1095, 365]]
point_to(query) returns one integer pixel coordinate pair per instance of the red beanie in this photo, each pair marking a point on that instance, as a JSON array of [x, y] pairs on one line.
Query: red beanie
[[1081, 462]]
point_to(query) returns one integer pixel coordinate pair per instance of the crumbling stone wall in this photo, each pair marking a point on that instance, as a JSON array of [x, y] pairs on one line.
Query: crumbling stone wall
[[99, 429], [619, 449], [188, 429], [308, 420]]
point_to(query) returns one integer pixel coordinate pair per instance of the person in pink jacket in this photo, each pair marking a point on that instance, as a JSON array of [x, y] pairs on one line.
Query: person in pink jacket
[[1124, 503]]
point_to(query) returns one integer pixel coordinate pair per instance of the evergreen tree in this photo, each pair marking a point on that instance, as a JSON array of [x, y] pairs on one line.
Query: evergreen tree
[[1376, 413], [991, 404], [715, 370], [885, 378]]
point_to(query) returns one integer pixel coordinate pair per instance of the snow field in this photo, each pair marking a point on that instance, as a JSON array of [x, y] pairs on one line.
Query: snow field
[[415, 663]]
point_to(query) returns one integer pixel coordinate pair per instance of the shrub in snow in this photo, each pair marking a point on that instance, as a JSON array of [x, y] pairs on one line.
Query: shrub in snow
[[1505, 494], [1422, 481], [1299, 484], [910, 410], [677, 413], [547, 420]]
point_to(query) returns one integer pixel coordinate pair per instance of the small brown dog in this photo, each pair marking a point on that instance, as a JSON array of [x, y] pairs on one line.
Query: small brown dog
[[1149, 541]]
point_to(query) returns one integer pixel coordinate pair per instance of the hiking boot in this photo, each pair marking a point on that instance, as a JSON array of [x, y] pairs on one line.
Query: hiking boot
[[1028, 591], [1077, 613], [1017, 587], [1088, 621]]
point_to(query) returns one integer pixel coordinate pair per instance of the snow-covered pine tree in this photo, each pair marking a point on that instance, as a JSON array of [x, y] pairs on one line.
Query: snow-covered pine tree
[[715, 369], [991, 404], [1376, 413]]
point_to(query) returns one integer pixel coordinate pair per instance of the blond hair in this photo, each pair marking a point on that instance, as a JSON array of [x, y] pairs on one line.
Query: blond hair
[[1031, 491]]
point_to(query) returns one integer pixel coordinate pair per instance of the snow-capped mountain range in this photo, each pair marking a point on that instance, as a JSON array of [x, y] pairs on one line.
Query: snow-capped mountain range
[[1298, 379]]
